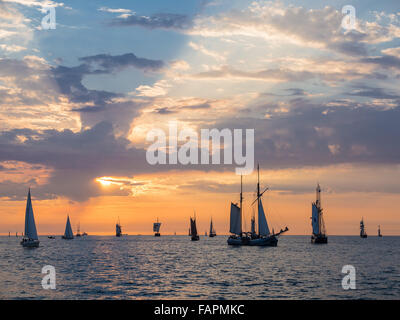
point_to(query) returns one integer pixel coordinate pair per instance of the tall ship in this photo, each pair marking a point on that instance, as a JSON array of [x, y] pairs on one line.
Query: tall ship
[[78, 232], [212, 230], [68, 234], [118, 229], [30, 237], [264, 237], [363, 233], [379, 231], [156, 228], [193, 229], [317, 220]]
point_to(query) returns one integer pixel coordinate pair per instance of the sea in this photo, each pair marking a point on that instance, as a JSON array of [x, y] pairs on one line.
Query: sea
[[173, 267]]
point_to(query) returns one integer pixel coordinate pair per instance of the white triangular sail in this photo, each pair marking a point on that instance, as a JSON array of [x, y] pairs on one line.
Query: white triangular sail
[[68, 230], [235, 220], [315, 219], [30, 226], [263, 229]]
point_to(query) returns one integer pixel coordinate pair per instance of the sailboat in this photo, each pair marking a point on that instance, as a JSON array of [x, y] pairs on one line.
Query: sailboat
[[118, 230], [156, 228], [78, 233], [363, 233], [212, 230], [30, 238], [68, 234], [379, 231], [317, 222], [264, 236], [193, 229]]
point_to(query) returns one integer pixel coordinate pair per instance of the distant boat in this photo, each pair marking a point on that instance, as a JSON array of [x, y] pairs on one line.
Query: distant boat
[[264, 236], [30, 238], [78, 233], [193, 229], [84, 234], [118, 229], [205, 233], [317, 221], [379, 231], [68, 234], [174, 233], [212, 230], [363, 233], [51, 237], [156, 228], [9, 234]]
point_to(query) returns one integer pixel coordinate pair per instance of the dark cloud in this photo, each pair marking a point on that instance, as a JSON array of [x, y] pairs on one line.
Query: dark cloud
[[385, 61], [155, 21], [376, 93]]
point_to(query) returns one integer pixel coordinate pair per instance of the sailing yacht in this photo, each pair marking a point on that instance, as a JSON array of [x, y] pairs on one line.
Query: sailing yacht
[[379, 231], [118, 229], [193, 229], [363, 233], [30, 238], [156, 228], [264, 236], [212, 230], [317, 222], [68, 234]]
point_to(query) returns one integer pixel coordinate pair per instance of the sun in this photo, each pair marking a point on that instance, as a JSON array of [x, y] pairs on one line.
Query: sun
[[104, 181]]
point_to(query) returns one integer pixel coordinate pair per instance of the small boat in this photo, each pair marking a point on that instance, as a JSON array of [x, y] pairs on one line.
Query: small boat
[[264, 236], [68, 234], [78, 232], [156, 228], [84, 234], [118, 229], [379, 231], [363, 233], [51, 237], [212, 230], [317, 221], [30, 238], [193, 229]]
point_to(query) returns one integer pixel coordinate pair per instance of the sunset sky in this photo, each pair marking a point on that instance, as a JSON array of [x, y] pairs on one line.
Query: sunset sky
[[77, 102]]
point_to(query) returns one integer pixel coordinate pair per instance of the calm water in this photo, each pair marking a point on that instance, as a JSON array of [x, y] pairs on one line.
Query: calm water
[[173, 267]]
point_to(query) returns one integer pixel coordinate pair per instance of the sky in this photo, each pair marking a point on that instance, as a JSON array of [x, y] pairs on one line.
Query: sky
[[77, 103]]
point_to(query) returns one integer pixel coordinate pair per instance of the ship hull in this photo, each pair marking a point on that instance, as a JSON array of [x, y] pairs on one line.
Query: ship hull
[[29, 243], [212, 235], [319, 239], [195, 238], [271, 241], [364, 236], [157, 234]]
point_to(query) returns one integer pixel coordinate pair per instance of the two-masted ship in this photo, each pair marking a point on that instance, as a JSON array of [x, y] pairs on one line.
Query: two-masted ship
[[68, 234], [193, 229], [363, 233], [264, 237], [118, 229], [212, 232], [317, 220], [30, 238], [156, 228]]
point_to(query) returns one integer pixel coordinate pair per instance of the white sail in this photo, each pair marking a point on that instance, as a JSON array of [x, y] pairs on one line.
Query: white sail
[[68, 230], [156, 226], [236, 220], [30, 226], [263, 229], [315, 219]]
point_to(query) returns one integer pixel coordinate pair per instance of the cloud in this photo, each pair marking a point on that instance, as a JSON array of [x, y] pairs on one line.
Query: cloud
[[156, 21]]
